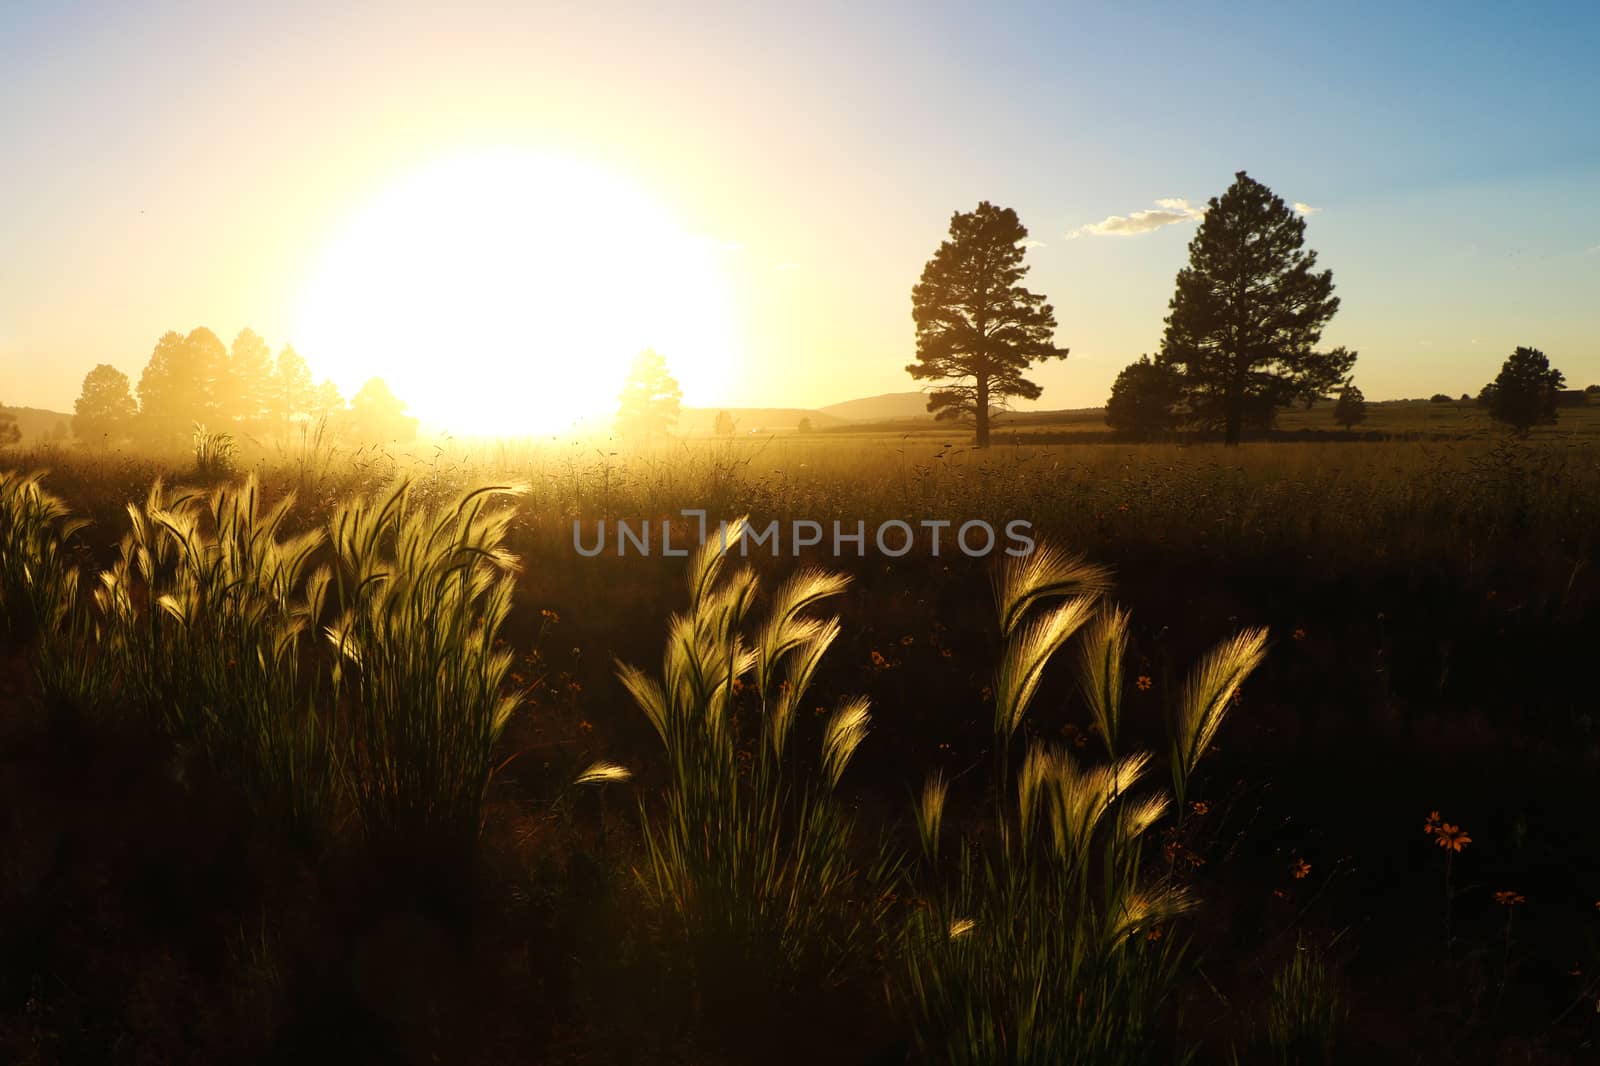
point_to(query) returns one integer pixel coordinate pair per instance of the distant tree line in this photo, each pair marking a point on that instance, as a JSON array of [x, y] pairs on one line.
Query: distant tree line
[[194, 381]]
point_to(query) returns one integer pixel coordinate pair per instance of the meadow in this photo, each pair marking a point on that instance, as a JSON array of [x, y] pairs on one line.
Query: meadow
[[1279, 753]]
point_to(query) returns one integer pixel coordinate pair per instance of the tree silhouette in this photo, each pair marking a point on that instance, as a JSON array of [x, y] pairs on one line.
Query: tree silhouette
[[1248, 312], [1143, 399], [248, 397], [1524, 393], [105, 408], [291, 386], [723, 426], [325, 400], [978, 330], [651, 399], [1351, 408], [377, 414], [10, 432], [173, 387], [208, 362], [804, 425]]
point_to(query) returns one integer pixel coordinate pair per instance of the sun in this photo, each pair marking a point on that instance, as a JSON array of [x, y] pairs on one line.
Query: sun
[[505, 293]]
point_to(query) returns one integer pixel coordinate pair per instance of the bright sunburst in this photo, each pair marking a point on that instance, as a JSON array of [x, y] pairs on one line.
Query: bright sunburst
[[506, 293]]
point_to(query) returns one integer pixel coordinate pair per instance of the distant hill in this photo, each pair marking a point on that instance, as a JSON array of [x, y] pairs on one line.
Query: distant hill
[[889, 407], [701, 421], [37, 424]]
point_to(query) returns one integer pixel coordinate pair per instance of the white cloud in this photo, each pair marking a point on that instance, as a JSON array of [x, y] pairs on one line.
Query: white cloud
[[1305, 209], [1167, 212], [1031, 243]]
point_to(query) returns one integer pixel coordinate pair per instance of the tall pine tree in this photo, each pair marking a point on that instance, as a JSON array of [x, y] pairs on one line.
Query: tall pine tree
[[1248, 312], [978, 329]]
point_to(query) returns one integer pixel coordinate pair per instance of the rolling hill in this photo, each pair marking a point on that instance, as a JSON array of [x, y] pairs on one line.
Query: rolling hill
[[38, 424]]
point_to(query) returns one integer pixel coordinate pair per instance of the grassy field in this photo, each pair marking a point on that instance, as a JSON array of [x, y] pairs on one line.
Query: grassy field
[[357, 779]]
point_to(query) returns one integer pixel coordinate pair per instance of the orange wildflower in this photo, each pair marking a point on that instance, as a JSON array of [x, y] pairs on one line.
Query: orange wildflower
[[1452, 837], [1508, 898], [1302, 869]]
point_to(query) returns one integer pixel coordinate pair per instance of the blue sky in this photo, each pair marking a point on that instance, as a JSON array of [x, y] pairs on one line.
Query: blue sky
[[169, 165]]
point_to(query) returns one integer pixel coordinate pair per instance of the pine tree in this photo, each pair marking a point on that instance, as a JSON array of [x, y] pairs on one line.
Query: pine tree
[[978, 329], [1248, 312]]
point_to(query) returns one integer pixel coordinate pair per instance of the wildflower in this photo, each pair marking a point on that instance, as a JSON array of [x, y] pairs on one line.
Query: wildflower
[[1299, 633], [1200, 807], [1453, 837], [907, 640], [987, 694], [1154, 933], [1122, 507], [878, 661], [1431, 826], [1507, 898], [1144, 683], [944, 652], [585, 727], [1302, 869], [549, 616]]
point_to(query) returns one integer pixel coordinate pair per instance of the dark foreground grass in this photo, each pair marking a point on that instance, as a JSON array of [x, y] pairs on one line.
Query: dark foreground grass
[[1432, 611]]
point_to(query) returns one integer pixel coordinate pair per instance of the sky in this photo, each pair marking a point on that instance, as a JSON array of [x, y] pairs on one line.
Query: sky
[[167, 166]]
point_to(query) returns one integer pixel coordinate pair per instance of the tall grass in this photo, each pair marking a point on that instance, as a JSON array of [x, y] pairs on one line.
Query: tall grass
[[1053, 943], [424, 594], [37, 579], [214, 451], [1306, 1010], [40, 597], [751, 855], [207, 611]]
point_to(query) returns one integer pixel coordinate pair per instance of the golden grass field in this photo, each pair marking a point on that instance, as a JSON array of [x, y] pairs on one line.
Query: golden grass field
[[1375, 843]]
